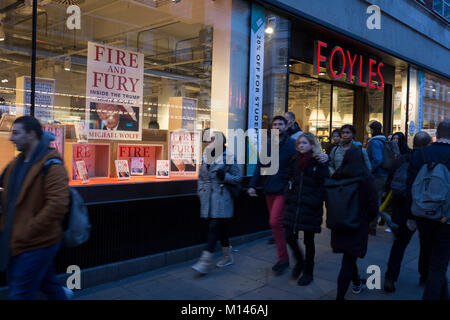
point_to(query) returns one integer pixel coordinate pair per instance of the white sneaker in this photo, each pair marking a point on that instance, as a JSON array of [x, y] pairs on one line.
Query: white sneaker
[[388, 230], [204, 264], [227, 258], [69, 293]]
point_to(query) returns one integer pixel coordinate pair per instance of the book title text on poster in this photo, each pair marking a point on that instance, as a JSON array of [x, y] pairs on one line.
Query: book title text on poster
[[116, 77]]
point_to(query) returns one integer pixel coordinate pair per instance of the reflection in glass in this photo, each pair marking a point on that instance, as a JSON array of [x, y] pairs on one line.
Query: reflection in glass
[[343, 101]]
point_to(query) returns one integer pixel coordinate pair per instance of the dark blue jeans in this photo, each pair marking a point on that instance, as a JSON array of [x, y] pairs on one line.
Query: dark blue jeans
[[436, 241], [398, 250], [32, 271]]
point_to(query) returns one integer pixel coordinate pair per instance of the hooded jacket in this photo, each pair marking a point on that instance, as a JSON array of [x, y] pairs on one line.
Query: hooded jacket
[[375, 147], [34, 206]]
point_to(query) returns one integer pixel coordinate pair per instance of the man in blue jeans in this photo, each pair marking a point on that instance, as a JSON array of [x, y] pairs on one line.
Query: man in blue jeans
[[434, 235], [33, 208], [375, 148]]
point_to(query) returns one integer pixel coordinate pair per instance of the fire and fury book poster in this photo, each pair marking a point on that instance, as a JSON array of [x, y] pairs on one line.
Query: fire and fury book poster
[[114, 92]]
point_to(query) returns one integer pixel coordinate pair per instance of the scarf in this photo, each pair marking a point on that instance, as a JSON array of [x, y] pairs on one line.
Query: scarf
[[303, 160]]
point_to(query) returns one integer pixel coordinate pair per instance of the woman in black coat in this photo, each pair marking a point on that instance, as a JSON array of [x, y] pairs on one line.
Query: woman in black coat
[[304, 198], [353, 244]]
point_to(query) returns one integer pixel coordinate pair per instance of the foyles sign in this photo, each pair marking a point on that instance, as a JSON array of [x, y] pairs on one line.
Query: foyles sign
[[368, 72]]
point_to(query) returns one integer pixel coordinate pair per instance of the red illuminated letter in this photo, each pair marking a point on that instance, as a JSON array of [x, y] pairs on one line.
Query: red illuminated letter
[[371, 61], [318, 58], [380, 75], [351, 63], [360, 71], [331, 63]]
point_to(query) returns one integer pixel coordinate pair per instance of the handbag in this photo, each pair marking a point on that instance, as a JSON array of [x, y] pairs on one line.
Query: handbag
[[342, 203], [234, 189]]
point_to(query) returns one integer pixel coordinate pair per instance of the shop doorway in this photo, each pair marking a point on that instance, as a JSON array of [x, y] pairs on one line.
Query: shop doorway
[[320, 106]]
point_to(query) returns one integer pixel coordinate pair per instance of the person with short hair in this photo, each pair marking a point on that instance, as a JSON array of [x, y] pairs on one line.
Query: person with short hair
[[434, 235], [34, 208], [274, 191], [400, 214], [375, 148], [335, 140], [294, 130]]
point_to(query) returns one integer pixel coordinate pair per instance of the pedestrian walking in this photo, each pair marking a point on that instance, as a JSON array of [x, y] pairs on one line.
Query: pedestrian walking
[[429, 196], [353, 242], [34, 207], [274, 191], [293, 129], [400, 139], [348, 133], [335, 140], [216, 178], [382, 154], [304, 198], [397, 184]]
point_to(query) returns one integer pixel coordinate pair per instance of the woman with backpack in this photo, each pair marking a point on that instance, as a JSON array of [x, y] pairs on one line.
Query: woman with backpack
[[353, 242], [216, 200], [396, 184], [304, 196]]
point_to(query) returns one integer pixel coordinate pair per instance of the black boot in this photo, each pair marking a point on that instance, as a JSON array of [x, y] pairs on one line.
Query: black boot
[[298, 267], [297, 270], [389, 285], [305, 279]]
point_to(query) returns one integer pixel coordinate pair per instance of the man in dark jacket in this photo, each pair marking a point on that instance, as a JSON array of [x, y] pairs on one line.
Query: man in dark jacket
[[34, 206], [375, 147], [274, 190], [406, 227], [435, 235], [293, 129]]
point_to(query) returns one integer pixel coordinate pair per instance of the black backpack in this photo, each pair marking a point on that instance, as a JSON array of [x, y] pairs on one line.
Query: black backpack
[[398, 183], [391, 153], [76, 225], [342, 203]]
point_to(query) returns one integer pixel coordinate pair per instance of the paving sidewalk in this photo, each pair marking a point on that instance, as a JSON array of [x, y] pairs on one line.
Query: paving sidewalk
[[250, 277]]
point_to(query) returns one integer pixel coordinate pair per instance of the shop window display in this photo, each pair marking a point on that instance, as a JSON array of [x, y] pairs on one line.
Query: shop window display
[[429, 103], [129, 81]]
